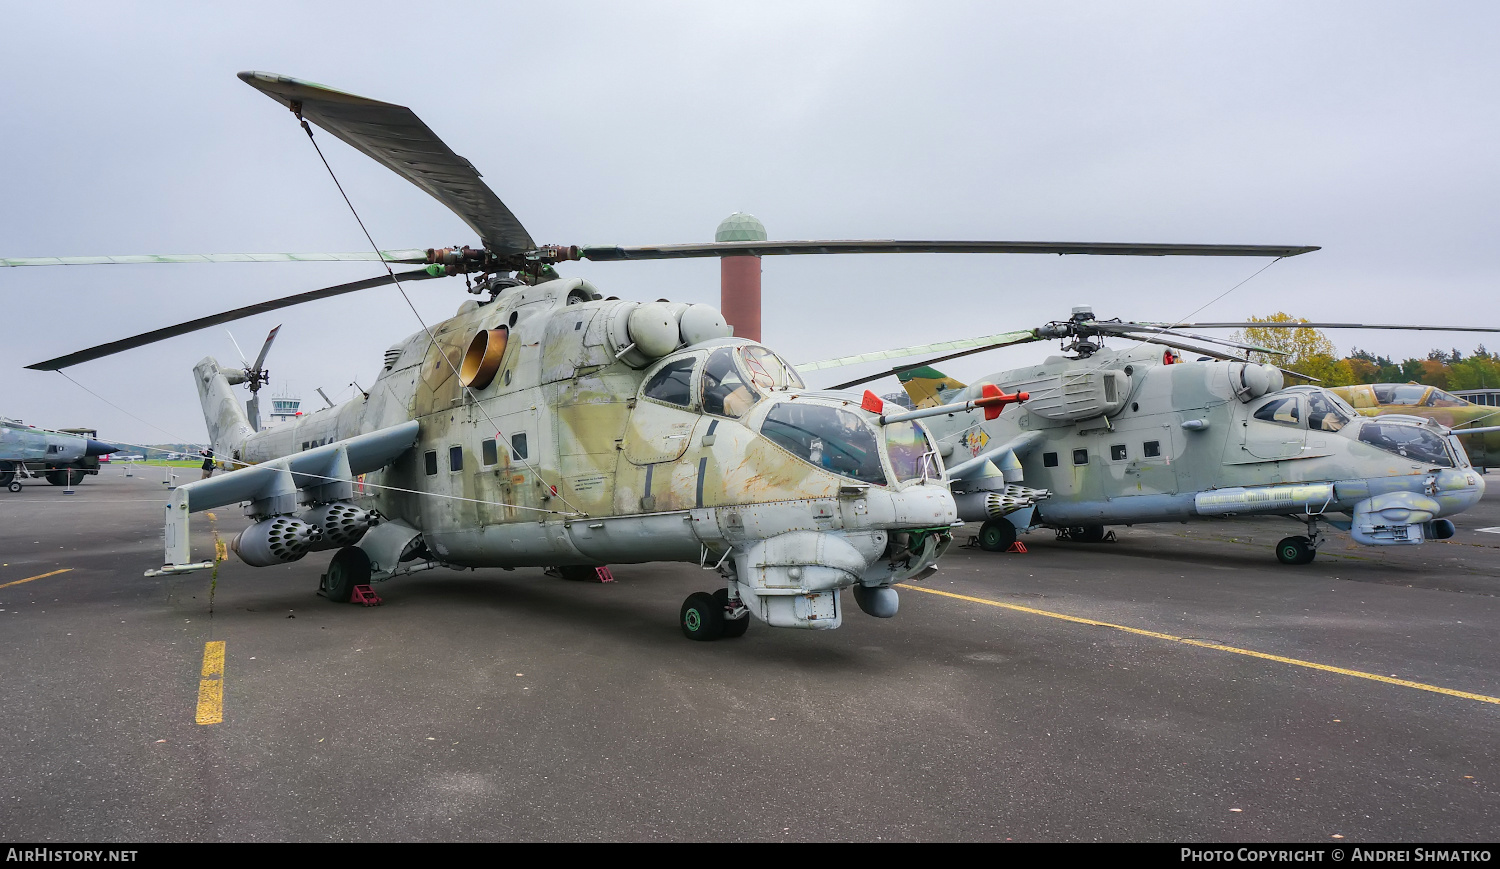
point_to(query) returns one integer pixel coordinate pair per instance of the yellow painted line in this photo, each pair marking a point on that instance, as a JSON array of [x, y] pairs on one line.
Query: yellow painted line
[[211, 686], [38, 576], [1203, 644]]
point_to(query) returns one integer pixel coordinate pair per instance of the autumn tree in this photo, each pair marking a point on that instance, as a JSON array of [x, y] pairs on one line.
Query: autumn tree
[[1308, 351]]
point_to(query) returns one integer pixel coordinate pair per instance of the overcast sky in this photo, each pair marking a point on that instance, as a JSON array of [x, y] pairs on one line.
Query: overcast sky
[[1367, 128]]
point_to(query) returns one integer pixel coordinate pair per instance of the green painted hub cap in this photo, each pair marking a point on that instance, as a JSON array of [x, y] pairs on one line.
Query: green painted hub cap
[[693, 620]]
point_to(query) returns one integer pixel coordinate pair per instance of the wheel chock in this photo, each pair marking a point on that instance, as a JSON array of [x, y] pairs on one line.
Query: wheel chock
[[1018, 546], [604, 574], [363, 594]]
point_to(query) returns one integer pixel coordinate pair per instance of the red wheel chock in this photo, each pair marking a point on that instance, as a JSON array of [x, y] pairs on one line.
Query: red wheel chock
[[1018, 546], [363, 594]]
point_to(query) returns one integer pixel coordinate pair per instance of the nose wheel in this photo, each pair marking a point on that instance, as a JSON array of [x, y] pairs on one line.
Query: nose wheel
[[1300, 550], [707, 616]]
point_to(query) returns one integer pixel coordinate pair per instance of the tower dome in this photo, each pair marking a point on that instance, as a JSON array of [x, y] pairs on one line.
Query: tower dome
[[740, 226]]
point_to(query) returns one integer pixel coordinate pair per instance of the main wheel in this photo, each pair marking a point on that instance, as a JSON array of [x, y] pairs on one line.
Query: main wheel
[[350, 567], [65, 476], [732, 627], [7, 473], [997, 535], [1295, 550], [702, 617], [1087, 533]]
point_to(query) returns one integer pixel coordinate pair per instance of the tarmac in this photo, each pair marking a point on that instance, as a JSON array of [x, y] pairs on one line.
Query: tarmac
[[1176, 685]]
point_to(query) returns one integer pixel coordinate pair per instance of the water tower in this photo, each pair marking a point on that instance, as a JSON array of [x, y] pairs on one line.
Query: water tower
[[739, 276]]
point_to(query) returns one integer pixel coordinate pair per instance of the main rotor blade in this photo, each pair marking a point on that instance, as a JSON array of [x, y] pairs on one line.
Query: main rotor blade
[[788, 248], [1284, 324], [396, 138], [992, 343], [965, 344], [265, 348], [1129, 330], [390, 256], [152, 337]]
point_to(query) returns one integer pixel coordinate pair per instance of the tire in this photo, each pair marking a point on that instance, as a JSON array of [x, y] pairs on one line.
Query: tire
[[702, 617], [1295, 550], [732, 627], [1087, 533], [14, 486], [997, 535], [61, 476], [350, 567], [578, 573]]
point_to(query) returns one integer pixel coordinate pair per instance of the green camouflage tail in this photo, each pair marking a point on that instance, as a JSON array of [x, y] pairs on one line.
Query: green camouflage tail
[[923, 385]]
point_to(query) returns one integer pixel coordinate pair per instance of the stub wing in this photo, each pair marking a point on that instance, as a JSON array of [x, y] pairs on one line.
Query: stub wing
[[281, 486]]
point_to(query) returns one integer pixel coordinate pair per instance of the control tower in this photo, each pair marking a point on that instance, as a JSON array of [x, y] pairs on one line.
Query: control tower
[[284, 407]]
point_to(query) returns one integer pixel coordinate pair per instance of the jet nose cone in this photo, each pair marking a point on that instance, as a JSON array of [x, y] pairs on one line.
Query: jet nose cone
[[100, 448]]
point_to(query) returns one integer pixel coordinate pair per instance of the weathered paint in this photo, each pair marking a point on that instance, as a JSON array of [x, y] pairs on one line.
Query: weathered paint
[[609, 475]]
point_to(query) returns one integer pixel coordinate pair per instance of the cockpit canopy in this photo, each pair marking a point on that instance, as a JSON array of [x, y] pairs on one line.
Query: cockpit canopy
[[1318, 409], [734, 378], [731, 379]]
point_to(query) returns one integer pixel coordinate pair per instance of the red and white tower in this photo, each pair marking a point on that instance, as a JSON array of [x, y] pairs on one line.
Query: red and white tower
[[739, 276]]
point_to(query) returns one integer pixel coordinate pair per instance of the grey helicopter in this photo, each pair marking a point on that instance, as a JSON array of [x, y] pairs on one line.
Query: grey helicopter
[[1170, 430], [548, 425]]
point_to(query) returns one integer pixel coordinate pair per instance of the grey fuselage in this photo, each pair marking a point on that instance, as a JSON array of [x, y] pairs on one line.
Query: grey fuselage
[[1123, 438]]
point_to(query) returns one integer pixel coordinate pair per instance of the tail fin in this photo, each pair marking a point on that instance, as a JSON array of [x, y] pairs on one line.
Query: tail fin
[[227, 425], [925, 385]]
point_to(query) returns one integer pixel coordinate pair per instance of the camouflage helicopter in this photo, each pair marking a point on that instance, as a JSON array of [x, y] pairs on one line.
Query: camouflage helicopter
[[1148, 434], [547, 425], [1415, 399]]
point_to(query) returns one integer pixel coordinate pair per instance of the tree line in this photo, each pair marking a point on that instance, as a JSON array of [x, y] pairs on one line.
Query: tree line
[[1310, 352]]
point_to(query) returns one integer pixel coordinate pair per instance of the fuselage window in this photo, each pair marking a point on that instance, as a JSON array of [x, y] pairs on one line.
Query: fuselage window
[[725, 392], [1117, 452], [487, 453], [1049, 460], [455, 458], [1151, 449], [826, 437], [769, 371], [1283, 411], [518, 446], [1324, 414], [674, 383], [1408, 441], [1080, 457], [429, 462]]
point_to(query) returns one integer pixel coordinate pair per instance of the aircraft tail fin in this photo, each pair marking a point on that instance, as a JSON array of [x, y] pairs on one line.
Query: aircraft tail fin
[[925, 385], [228, 427]]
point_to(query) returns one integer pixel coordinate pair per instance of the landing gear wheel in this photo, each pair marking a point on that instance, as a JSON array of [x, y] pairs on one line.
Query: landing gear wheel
[[1295, 550], [997, 535], [350, 567], [14, 486], [732, 627], [702, 617], [7, 474], [1087, 533]]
